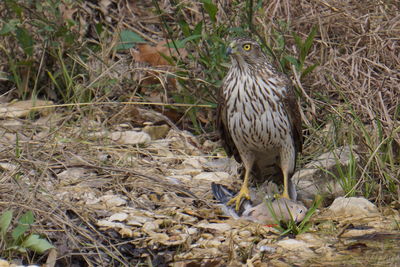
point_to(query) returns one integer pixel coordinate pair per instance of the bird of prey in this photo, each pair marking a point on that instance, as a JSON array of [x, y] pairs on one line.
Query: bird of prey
[[258, 118]]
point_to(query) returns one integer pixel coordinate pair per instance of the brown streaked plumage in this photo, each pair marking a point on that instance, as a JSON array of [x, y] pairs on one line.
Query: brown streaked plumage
[[258, 118]]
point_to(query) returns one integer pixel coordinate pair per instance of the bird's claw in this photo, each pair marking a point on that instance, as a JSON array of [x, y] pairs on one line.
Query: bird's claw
[[237, 200], [283, 195]]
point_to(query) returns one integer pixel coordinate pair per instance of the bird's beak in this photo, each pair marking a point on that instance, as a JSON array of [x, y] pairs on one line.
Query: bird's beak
[[231, 49]]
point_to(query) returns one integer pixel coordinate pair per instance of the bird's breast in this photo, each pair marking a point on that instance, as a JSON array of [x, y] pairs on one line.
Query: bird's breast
[[255, 113]]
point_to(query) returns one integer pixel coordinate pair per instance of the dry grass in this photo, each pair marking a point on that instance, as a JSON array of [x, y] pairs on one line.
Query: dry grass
[[356, 86]]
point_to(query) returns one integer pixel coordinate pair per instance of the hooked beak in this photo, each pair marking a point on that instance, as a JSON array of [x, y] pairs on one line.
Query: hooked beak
[[231, 48]]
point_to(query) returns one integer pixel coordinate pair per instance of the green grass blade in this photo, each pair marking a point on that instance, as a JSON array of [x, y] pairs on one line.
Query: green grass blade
[[5, 221]]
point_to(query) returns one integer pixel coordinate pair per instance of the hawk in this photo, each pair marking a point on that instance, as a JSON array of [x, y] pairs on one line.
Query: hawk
[[258, 118]]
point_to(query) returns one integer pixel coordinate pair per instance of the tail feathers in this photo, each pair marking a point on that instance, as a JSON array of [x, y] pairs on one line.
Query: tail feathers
[[221, 193]]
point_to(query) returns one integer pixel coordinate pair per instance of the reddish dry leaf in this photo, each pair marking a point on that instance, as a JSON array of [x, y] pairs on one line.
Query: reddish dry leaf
[[152, 54]]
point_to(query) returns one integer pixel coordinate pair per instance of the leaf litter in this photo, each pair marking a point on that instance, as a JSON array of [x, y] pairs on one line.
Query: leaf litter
[[135, 201]]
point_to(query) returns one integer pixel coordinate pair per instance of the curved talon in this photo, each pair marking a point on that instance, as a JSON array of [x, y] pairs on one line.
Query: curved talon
[[283, 195], [243, 193]]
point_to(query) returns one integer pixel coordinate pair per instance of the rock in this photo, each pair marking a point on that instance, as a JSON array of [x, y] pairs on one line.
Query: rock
[[130, 137], [353, 207], [314, 177], [156, 132]]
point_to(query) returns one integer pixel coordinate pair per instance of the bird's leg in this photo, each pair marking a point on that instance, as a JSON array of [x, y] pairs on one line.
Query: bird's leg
[[285, 193], [243, 193]]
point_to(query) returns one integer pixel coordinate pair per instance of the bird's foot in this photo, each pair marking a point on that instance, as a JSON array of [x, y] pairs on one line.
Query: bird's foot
[[283, 195], [243, 193]]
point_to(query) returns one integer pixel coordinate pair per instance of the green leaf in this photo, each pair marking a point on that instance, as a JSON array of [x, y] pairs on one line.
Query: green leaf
[[170, 60], [237, 30], [298, 41], [280, 40], [292, 60], [23, 225], [305, 47], [36, 243], [9, 26], [27, 218], [184, 27], [210, 8], [25, 40], [19, 231], [308, 70], [17, 248], [99, 28], [5, 220], [309, 41], [12, 4], [182, 43], [128, 40], [198, 28]]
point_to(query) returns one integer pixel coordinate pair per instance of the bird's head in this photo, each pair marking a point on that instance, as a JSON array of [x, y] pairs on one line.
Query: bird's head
[[245, 50]]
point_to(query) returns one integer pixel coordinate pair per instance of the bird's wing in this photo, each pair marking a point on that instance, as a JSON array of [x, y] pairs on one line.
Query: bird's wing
[[292, 109], [222, 126]]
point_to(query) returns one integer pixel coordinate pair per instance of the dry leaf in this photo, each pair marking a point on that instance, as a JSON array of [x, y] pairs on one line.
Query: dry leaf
[[22, 108], [152, 54]]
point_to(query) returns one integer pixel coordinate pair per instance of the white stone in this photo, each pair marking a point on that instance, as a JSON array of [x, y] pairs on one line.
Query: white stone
[[353, 206], [314, 177]]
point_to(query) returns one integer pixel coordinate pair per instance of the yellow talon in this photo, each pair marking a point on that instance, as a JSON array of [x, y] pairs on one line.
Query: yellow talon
[[283, 195], [243, 193]]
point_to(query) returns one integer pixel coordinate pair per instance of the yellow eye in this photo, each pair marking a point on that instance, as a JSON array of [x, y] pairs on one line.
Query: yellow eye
[[247, 47]]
